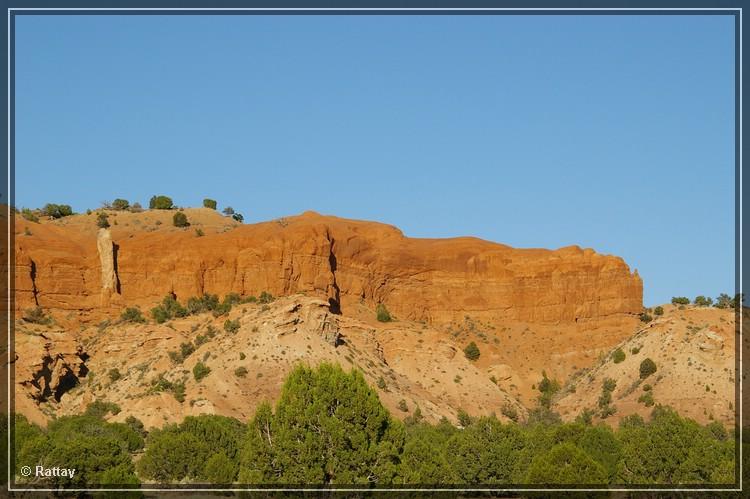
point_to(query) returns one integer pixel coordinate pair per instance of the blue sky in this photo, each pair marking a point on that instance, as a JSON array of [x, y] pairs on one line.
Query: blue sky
[[610, 132]]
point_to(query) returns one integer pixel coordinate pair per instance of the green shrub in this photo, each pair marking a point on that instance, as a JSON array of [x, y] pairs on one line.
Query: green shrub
[[160, 203], [635, 350], [136, 208], [209, 203], [609, 385], [132, 314], [463, 418], [114, 374], [169, 309], [186, 349], [136, 425], [265, 297], [200, 304], [648, 367], [160, 315], [381, 383], [242, 356], [659, 310], [645, 317], [200, 371], [647, 399], [99, 451], [102, 220], [232, 326], [607, 411], [36, 316], [237, 217], [240, 372], [199, 233], [219, 469], [585, 417], [547, 389], [618, 356], [179, 219], [120, 204], [565, 464], [472, 351], [724, 301], [402, 406], [178, 391], [99, 409], [382, 314], [57, 210], [680, 300], [228, 211], [29, 215], [703, 301]]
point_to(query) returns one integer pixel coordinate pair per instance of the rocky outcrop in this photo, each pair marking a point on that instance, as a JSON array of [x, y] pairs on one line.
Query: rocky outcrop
[[106, 250], [343, 261], [48, 364]]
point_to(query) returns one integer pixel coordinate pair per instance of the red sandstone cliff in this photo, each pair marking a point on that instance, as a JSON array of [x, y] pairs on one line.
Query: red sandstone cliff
[[66, 267]]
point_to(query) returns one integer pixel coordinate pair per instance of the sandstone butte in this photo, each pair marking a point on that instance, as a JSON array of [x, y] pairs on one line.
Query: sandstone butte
[[80, 269]]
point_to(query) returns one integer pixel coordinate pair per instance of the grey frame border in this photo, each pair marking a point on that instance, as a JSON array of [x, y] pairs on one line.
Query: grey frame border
[[360, 11]]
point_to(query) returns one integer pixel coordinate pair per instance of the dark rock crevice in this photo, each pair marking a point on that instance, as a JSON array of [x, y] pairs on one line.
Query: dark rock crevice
[[335, 300], [34, 290]]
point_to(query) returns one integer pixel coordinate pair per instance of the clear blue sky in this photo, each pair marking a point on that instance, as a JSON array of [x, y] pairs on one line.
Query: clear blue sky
[[610, 132]]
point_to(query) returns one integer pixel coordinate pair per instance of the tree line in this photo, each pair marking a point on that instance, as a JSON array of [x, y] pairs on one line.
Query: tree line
[[330, 428]]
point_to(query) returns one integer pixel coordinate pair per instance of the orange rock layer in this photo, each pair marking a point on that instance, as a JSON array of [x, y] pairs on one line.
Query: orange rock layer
[[346, 261]]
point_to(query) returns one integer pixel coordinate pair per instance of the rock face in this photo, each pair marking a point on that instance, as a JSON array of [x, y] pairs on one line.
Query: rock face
[[107, 261], [48, 364], [343, 261]]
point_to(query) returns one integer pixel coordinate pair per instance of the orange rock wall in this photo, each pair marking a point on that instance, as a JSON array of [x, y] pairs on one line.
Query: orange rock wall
[[349, 261]]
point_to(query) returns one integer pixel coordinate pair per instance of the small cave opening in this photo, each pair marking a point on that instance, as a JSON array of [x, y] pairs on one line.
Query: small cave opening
[[334, 306], [67, 382]]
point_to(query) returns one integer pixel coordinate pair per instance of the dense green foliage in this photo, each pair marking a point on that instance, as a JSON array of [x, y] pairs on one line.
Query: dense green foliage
[[232, 327], [680, 300], [57, 210], [659, 310], [329, 428], [209, 203], [547, 389], [472, 351], [120, 204], [29, 215], [648, 367], [102, 220], [200, 371], [202, 449], [36, 316], [382, 313], [100, 452], [179, 219], [703, 301], [132, 314], [160, 203], [170, 308], [618, 356]]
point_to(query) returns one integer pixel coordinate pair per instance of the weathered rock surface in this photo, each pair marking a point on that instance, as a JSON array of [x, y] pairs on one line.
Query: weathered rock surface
[[344, 261]]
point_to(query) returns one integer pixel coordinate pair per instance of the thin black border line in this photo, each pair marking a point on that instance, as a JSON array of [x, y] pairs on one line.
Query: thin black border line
[[12, 11]]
